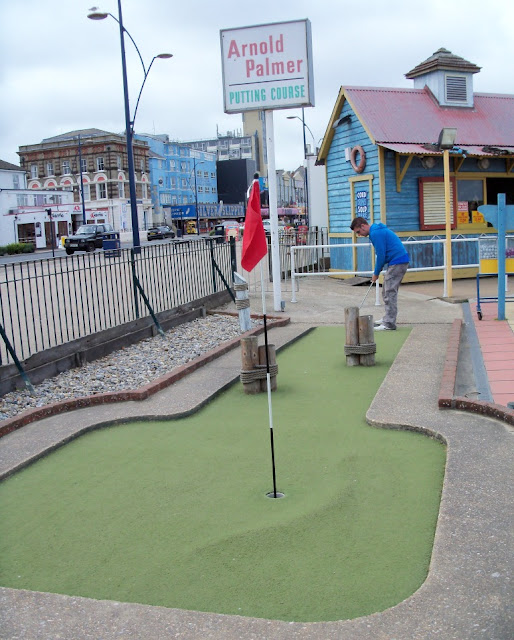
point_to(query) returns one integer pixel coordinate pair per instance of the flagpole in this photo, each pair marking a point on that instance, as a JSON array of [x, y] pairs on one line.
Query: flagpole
[[268, 385]]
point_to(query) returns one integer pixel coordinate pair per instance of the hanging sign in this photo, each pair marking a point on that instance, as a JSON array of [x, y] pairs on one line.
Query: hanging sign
[[267, 66]]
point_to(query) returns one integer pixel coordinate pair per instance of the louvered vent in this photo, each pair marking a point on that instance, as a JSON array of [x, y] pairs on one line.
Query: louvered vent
[[434, 213], [456, 89]]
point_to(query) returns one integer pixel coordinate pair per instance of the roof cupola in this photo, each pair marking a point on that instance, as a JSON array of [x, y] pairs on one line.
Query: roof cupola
[[449, 77]]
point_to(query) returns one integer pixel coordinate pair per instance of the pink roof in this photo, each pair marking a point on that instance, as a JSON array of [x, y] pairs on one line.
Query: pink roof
[[414, 116]]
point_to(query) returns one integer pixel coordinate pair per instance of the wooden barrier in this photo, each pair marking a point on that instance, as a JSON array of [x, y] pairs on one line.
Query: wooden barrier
[[253, 366], [360, 346]]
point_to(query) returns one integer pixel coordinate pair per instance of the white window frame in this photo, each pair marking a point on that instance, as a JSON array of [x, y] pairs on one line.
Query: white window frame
[[33, 171], [50, 168], [83, 165], [121, 189], [100, 164], [87, 191], [66, 167], [101, 193]]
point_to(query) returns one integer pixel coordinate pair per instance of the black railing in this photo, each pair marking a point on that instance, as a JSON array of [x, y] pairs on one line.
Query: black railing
[[46, 303]]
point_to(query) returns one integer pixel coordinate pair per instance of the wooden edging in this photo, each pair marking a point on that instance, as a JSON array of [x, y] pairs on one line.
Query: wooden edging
[[144, 392]]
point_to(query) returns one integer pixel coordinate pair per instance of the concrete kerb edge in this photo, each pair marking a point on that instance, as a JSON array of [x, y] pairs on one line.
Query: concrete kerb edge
[[144, 392], [145, 418], [447, 398]]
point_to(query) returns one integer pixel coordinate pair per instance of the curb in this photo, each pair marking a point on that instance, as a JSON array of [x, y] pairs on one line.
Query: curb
[[447, 399], [144, 392]]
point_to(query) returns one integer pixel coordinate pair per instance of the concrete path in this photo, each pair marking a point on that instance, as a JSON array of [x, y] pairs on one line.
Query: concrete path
[[468, 594]]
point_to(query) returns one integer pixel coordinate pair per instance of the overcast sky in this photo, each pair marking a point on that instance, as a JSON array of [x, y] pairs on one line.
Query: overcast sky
[[60, 71]]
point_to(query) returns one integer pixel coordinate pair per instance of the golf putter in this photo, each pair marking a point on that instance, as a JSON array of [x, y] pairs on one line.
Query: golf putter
[[364, 299]]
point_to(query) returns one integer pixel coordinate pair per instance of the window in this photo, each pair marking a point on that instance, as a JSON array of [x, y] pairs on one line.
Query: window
[[431, 203], [205, 174], [101, 191], [121, 189], [100, 163], [165, 198], [56, 199], [213, 175], [142, 165], [213, 189], [66, 166], [118, 162], [184, 200], [172, 164], [49, 168], [22, 200], [33, 171], [15, 181], [184, 183], [183, 166], [83, 165], [200, 189], [144, 188], [87, 191], [173, 182], [173, 199], [198, 173], [470, 195], [67, 186], [39, 199]]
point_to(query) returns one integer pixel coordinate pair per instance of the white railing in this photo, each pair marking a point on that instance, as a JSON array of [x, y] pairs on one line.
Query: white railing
[[361, 245]]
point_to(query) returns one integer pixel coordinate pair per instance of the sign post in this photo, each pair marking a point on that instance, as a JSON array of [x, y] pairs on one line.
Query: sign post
[[268, 67], [501, 216]]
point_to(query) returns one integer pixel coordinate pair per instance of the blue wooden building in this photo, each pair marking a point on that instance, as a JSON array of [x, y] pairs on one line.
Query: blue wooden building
[[383, 162]]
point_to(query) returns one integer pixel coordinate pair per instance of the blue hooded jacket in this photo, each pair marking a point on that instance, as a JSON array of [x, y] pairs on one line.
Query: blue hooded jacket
[[388, 247]]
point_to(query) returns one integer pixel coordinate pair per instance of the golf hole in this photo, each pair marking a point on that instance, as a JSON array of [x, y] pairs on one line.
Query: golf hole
[[272, 494]]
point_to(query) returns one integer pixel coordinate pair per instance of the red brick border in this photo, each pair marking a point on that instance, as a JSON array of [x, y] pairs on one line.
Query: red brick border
[[447, 399], [38, 413]]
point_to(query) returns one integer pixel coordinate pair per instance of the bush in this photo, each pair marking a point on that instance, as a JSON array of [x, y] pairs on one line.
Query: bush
[[3, 250], [19, 247]]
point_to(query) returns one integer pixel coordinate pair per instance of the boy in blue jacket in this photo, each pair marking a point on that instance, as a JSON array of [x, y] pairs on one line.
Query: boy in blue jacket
[[389, 250]]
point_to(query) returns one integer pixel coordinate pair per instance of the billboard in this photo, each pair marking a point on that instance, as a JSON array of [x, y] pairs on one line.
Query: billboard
[[267, 66]]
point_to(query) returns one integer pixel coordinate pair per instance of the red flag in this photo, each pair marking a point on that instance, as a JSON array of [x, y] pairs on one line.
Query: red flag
[[255, 246]]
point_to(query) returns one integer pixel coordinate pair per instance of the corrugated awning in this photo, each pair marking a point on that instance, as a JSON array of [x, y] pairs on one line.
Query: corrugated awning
[[470, 150]]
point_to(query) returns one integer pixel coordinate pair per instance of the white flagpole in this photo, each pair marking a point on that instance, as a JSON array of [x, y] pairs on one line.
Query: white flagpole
[[268, 384]]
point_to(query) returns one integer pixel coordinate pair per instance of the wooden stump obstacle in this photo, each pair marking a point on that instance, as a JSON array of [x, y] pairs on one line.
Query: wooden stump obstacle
[[360, 347], [253, 366]]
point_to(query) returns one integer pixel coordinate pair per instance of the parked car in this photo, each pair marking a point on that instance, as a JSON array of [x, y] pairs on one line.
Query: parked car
[[267, 227], [161, 232], [87, 238]]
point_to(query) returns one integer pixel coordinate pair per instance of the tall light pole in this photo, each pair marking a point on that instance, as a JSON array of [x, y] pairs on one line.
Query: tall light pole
[[306, 177], [196, 195], [81, 184], [446, 142], [96, 14]]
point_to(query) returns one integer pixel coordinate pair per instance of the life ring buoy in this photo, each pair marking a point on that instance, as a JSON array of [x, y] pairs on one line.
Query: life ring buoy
[[358, 168]]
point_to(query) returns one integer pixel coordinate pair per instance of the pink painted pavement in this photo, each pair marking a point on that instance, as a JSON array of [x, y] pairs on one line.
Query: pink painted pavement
[[496, 338]]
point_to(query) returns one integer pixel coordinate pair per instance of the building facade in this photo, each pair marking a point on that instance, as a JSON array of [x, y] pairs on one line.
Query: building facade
[[383, 161], [40, 217], [182, 179], [97, 159]]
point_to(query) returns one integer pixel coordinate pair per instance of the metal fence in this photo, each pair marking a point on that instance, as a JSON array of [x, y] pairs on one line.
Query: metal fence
[[314, 259], [46, 303]]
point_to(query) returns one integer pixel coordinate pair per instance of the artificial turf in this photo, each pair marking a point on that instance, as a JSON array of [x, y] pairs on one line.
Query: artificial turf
[[174, 513]]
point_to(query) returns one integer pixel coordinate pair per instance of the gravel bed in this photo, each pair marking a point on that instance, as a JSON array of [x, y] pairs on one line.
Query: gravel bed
[[130, 367]]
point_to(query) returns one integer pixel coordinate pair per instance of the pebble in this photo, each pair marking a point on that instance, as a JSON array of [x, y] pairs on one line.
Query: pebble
[[129, 368]]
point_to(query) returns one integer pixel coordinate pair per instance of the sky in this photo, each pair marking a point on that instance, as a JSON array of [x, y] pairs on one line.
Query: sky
[[60, 71]]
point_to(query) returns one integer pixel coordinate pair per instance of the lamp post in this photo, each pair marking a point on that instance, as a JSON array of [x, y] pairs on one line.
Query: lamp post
[[196, 196], [96, 14], [446, 142], [306, 177], [81, 184]]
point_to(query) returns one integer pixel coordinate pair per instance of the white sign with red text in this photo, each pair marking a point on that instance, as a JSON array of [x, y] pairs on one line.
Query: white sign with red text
[[267, 66]]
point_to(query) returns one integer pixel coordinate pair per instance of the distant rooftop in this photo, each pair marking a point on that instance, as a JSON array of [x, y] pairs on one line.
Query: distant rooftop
[[7, 166], [83, 133]]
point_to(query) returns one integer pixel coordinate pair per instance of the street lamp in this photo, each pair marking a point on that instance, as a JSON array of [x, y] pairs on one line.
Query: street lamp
[[446, 142], [305, 126], [96, 14], [196, 196]]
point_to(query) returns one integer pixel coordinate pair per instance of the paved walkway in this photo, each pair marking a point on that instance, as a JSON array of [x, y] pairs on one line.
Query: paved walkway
[[468, 593]]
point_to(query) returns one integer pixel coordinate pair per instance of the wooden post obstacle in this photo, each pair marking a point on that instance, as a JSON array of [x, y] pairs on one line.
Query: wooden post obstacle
[[253, 366], [360, 347]]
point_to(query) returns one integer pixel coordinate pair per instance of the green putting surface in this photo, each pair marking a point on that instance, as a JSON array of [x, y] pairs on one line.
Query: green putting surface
[[174, 513]]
